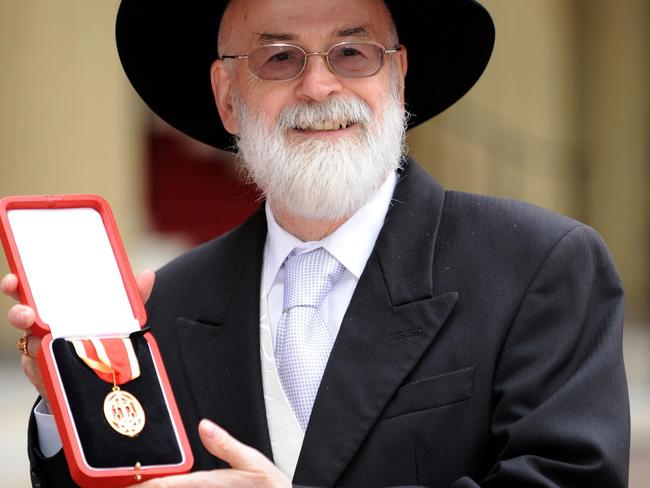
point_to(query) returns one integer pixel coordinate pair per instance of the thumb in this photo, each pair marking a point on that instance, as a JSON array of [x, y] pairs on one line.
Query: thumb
[[145, 283], [238, 455]]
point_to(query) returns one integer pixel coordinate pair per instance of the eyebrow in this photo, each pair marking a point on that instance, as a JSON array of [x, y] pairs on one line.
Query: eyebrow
[[270, 37], [358, 31]]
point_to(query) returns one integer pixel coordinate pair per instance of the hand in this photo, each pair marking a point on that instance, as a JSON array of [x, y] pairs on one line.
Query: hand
[[249, 467], [22, 318]]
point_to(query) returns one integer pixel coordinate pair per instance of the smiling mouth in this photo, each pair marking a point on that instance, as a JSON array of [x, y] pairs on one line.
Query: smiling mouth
[[324, 125]]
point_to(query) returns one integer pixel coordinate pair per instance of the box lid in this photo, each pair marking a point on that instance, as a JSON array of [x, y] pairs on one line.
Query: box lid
[[71, 265]]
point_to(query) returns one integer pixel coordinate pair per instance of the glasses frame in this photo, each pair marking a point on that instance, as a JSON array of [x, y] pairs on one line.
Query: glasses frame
[[325, 54]]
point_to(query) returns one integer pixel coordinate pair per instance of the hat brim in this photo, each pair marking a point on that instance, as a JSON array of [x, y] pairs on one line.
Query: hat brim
[[167, 47]]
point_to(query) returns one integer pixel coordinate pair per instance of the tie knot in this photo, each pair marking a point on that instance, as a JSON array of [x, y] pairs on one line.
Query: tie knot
[[309, 277]]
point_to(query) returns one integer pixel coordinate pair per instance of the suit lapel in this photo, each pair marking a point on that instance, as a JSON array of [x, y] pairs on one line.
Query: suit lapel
[[392, 319], [219, 343]]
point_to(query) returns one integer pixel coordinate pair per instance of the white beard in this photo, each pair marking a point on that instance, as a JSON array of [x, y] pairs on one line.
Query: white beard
[[316, 178]]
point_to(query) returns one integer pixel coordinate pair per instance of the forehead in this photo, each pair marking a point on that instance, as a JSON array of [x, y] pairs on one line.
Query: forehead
[[251, 21]]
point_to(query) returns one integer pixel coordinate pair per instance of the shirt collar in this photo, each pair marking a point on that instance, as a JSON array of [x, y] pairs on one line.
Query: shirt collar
[[361, 229]]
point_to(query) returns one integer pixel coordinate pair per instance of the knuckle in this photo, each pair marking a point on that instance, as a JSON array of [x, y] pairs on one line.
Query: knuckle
[[8, 284], [20, 316], [12, 315]]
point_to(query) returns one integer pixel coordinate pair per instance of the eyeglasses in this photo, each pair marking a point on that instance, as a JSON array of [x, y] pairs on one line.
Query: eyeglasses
[[345, 59]]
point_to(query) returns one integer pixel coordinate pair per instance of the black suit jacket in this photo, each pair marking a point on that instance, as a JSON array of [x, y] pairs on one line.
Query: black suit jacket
[[482, 346]]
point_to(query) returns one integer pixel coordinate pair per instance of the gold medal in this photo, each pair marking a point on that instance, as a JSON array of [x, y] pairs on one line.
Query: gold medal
[[124, 412], [111, 359]]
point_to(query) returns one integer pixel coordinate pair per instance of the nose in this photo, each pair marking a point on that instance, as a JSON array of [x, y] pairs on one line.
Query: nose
[[317, 82]]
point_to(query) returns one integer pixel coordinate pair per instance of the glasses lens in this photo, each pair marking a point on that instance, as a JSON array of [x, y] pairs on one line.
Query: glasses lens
[[276, 62], [356, 59]]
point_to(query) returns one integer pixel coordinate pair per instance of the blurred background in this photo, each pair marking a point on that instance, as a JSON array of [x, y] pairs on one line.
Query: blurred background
[[561, 118]]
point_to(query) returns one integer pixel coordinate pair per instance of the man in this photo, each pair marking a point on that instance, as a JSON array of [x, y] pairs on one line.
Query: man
[[459, 340]]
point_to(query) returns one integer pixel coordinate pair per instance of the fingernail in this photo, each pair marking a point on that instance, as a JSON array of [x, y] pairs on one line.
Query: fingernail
[[210, 429]]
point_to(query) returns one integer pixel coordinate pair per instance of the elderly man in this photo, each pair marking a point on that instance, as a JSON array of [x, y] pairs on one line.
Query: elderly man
[[365, 327]]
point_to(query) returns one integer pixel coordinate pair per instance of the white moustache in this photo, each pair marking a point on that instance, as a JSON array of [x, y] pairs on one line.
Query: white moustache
[[332, 114]]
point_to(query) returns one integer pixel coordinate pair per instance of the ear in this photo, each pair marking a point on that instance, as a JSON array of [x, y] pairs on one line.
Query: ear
[[221, 81], [402, 67]]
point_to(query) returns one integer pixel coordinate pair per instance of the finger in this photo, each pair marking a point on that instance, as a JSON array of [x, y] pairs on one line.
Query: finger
[[33, 346], [145, 283], [238, 455], [21, 317], [33, 373], [9, 286]]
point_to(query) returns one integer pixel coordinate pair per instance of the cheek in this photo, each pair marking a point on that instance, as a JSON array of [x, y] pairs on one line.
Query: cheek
[[377, 101], [270, 103], [375, 91]]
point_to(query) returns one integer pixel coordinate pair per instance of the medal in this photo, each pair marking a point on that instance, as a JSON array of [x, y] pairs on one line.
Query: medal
[[124, 412], [114, 360]]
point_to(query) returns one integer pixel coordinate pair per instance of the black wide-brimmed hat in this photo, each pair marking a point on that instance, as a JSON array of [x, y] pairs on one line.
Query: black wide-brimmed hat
[[167, 47]]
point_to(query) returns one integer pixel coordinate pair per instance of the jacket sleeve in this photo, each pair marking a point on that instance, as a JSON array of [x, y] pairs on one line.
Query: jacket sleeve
[[561, 409], [45, 472]]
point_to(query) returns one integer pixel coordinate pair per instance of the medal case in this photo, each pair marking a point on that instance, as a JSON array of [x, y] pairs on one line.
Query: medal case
[[73, 271]]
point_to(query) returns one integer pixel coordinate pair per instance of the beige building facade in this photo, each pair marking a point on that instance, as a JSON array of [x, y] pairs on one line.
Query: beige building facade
[[561, 118]]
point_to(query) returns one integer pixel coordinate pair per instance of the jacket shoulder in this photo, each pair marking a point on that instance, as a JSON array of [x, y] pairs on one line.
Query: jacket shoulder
[[204, 277], [508, 241], [504, 217], [217, 256]]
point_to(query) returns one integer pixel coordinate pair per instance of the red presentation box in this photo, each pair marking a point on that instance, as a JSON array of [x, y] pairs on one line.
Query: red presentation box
[[73, 271]]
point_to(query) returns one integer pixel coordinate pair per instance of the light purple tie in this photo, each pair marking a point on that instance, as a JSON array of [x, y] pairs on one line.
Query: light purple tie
[[303, 343]]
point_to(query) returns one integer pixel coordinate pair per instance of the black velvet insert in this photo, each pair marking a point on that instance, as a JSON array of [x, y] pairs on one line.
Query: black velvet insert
[[102, 446]]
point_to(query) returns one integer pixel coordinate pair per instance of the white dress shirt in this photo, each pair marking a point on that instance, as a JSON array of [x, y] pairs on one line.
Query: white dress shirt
[[351, 244]]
